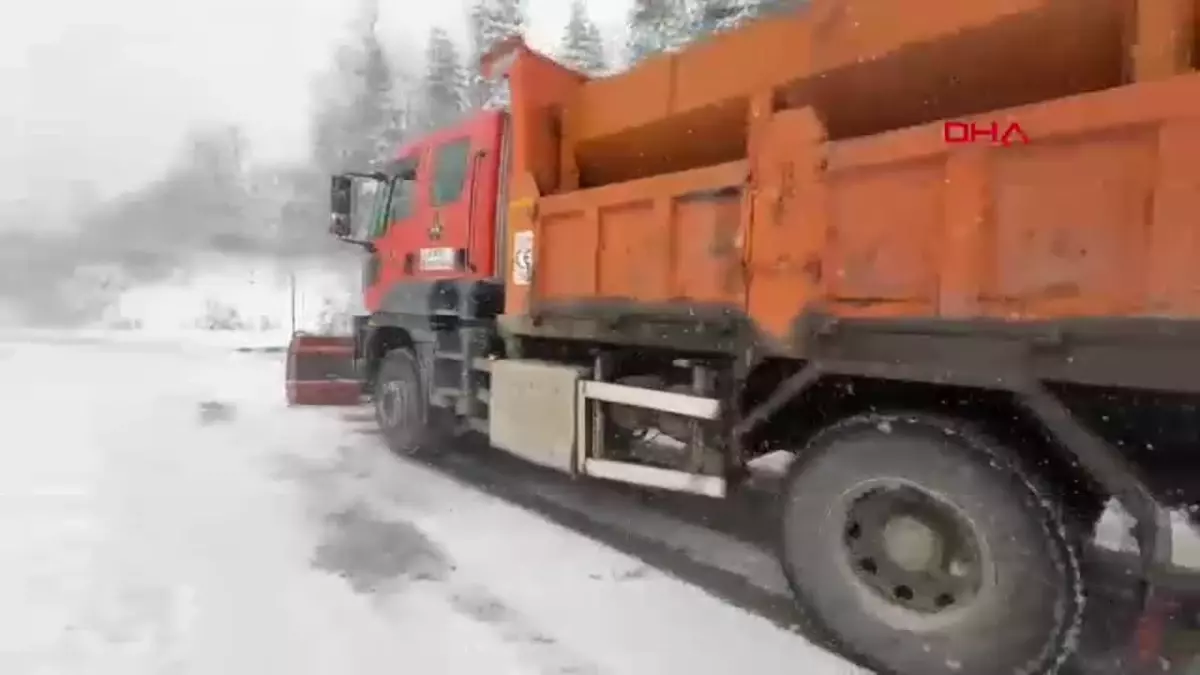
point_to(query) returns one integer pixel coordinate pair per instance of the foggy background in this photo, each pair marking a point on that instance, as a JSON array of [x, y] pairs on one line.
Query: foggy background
[[142, 139]]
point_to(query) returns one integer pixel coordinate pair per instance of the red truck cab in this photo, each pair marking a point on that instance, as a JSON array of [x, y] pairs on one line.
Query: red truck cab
[[432, 254], [435, 214]]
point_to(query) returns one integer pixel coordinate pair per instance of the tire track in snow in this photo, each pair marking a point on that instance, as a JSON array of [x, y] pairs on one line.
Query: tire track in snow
[[723, 547], [373, 544]]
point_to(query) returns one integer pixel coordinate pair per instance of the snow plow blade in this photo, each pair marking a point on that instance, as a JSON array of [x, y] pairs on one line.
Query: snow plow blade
[[321, 371]]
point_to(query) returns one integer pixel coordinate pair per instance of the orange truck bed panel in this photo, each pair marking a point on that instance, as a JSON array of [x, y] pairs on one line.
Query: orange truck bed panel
[[1094, 217], [656, 240]]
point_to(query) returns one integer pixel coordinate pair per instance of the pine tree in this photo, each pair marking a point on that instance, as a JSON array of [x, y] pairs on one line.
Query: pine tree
[[209, 187], [582, 47], [445, 82], [491, 21], [656, 26], [379, 119], [359, 122], [714, 16]]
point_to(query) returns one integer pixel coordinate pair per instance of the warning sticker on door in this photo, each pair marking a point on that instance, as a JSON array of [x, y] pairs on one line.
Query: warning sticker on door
[[522, 264]]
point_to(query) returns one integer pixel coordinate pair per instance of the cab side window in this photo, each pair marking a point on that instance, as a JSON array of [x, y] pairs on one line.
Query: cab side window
[[403, 200], [450, 164]]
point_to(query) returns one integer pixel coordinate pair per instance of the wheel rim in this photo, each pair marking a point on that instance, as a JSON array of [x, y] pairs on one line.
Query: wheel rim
[[395, 402], [912, 550]]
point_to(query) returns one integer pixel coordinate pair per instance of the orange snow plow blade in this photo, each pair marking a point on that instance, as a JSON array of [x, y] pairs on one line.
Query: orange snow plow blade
[[321, 371]]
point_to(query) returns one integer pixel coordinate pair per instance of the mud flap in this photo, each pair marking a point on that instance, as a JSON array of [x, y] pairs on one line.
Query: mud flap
[[1167, 637], [1150, 633]]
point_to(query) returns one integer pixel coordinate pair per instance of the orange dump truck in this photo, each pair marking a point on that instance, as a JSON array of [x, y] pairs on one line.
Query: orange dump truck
[[946, 253]]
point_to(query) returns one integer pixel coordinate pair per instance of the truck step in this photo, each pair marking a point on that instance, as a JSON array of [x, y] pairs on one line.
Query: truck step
[[445, 397], [477, 363], [697, 407], [651, 476], [476, 424]]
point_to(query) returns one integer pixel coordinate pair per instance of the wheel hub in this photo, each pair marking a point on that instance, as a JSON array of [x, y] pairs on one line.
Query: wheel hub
[[393, 403], [912, 544], [912, 550]]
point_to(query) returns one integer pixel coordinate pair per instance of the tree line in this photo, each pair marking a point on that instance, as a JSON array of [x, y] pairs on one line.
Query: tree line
[[212, 199]]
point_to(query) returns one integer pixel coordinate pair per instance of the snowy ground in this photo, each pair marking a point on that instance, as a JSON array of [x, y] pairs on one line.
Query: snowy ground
[[165, 513]]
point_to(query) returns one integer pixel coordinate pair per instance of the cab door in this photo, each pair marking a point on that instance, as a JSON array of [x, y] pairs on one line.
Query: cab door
[[374, 259], [391, 261], [441, 220], [443, 228]]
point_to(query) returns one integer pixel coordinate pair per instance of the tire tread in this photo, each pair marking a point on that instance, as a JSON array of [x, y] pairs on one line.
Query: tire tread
[[1059, 647]]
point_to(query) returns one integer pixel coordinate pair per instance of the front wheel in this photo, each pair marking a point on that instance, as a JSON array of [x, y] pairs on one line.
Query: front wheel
[[924, 549], [401, 409]]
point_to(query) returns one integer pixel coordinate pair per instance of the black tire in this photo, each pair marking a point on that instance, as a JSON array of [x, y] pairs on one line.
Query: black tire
[[401, 407], [1021, 614]]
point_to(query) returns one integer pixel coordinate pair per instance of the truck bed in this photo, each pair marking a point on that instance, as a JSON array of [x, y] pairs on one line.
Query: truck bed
[[1093, 218]]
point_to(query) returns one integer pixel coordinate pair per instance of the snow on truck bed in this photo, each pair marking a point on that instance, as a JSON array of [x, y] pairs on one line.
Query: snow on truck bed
[[164, 512]]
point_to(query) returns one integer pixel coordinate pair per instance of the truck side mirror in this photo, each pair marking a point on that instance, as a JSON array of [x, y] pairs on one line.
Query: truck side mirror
[[341, 203]]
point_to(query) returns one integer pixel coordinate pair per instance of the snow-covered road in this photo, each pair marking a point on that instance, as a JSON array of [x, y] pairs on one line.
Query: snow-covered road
[[164, 512]]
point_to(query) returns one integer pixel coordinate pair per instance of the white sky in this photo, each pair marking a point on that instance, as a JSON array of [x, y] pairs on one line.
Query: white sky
[[101, 91]]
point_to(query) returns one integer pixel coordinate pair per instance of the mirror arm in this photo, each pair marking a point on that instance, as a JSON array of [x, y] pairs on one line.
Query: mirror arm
[[368, 246]]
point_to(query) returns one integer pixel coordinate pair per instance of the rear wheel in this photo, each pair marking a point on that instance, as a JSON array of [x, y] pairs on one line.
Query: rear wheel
[[923, 549], [401, 408]]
